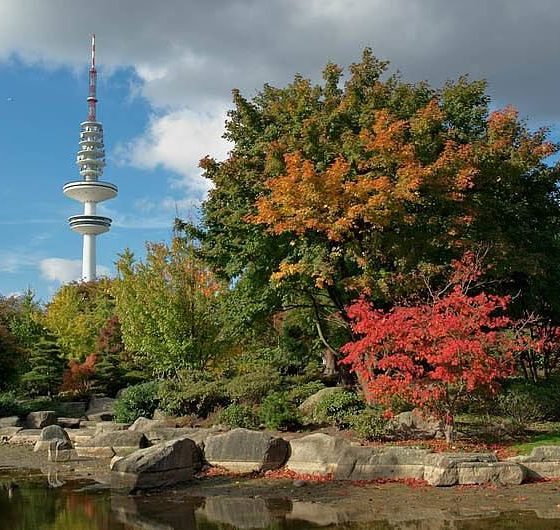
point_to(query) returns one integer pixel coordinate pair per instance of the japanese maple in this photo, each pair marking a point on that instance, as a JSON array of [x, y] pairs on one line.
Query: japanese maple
[[433, 354]]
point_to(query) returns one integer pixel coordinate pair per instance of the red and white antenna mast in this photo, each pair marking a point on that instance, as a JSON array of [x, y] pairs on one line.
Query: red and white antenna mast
[[92, 97]]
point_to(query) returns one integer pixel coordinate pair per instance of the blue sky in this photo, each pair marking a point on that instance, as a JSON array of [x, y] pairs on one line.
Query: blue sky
[[166, 70]]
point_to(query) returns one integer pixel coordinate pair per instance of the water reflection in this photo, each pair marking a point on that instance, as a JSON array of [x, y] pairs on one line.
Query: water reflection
[[31, 503]]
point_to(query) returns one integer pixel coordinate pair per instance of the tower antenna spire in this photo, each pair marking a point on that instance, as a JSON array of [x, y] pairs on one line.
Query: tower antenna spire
[[92, 95]]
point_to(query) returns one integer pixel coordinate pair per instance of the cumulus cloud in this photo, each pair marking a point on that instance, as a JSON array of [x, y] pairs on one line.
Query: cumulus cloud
[[177, 141], [65, 270]]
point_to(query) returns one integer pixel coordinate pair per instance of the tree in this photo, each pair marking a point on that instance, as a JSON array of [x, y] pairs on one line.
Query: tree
[[435, 354], [79, 378], [111, 362], [22, 315], [76, 313], [46, 366], [11, 358], [168, 308], [332, 190]]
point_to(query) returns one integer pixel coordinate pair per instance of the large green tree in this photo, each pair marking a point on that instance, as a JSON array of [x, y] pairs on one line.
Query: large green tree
[[374, 186]]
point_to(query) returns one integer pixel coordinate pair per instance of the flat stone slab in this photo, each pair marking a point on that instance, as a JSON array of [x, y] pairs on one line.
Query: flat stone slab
[[11, 421], [109, 444], [7, 433], [371, 463], [25, 437], [72, 409], [245, 451], [108, 426], [69, 423], [449, 469], [161, 465]]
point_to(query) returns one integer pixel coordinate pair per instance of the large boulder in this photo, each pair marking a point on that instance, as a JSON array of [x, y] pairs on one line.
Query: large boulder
[[371, 463], [53, 435], [415, 424], [100, 409], [316, 454], [307, 408], [40, 419], [244, 451], [109, 444], [11, 421], [161, 465]]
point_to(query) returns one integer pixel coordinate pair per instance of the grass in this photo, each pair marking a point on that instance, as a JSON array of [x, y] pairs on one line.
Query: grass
[[549, 438]]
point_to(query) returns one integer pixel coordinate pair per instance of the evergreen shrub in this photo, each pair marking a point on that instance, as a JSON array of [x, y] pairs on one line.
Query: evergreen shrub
[[135, 401], [251, 388], [337, 407], [193, 392], [298, 394], [236, 415], [368, 424], [279, 413], [9, 405]]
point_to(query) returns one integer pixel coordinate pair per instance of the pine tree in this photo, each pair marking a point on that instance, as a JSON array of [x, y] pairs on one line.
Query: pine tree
[[47, 364]]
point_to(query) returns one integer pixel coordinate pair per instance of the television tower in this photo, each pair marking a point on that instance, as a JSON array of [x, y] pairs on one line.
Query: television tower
[[90, 190]]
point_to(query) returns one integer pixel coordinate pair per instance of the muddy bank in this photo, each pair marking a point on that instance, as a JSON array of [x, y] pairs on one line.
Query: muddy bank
[[355, 500]]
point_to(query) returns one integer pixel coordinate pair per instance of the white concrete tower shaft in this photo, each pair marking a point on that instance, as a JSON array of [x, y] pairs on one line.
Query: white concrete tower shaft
[[90, 190]]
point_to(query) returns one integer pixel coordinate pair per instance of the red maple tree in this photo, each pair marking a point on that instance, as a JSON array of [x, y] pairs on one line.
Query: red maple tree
[[434, 354]]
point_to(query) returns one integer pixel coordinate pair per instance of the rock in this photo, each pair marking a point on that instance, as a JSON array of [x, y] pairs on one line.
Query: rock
[[316, 454], [101, 416], [109, 444], [442, 469], [25, 437], [81, 435], [307, 408], [50, 434], [100, 409], [110, 426], [414, 424], [244, 451], [69, 423], [11, 421], [7, 433], [503, 473], [40, 419], [545, 453], [370, 463], [142, 424], [161, 465], [72, 409], [160, 415], [232, 512]]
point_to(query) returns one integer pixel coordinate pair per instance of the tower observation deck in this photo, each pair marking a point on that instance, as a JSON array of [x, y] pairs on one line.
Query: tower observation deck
[[90, 190]]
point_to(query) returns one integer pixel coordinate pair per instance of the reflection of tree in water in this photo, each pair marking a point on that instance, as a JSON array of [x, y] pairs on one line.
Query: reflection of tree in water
[[33, 505]]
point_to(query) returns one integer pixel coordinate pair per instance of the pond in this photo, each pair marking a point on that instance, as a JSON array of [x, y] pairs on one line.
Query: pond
[[34, 501]]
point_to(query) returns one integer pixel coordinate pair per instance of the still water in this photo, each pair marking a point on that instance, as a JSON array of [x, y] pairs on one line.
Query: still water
[[37, 502]]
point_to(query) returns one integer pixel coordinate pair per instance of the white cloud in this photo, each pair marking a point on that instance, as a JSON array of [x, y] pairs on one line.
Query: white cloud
[[14, 261], [177, 141], [65, 270]]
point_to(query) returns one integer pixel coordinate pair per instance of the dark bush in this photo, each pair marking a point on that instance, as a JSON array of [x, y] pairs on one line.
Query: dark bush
[[368, 424], [194, 392], [135, 401], [236, 415], [251, 388], [298, 394], [337, 407], [278, 412], [9, 405]]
